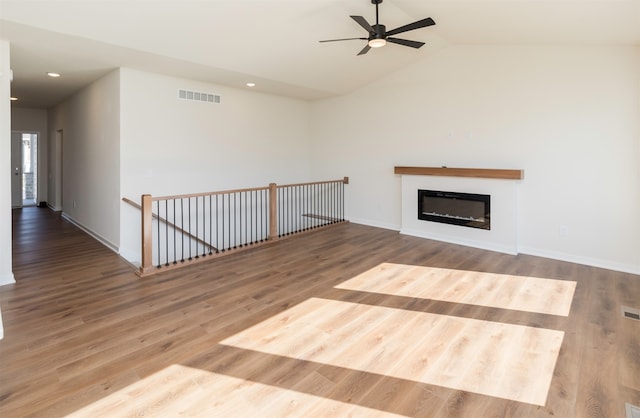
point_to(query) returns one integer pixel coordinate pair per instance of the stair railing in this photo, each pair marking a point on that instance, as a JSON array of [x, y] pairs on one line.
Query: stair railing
[[183, 229]]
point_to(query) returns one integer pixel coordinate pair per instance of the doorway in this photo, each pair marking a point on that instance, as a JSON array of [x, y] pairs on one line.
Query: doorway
[[24, 169]]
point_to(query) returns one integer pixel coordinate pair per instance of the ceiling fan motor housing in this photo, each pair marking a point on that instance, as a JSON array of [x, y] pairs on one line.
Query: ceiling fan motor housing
[[379, 32]]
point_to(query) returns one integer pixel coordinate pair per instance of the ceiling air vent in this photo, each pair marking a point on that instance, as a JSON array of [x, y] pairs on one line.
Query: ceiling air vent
[[630, 313], [198, 96]]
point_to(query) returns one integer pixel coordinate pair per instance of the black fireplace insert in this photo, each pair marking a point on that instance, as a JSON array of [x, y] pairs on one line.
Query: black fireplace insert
[[464, 209]]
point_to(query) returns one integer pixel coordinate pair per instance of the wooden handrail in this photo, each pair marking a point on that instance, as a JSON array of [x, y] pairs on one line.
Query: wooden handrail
[[189, 195], [132, 203], [344, 180]]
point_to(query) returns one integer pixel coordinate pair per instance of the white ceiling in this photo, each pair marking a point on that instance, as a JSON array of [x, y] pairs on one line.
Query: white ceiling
[[274, 43]]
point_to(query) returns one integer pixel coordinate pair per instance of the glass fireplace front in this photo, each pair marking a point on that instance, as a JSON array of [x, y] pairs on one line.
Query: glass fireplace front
[[464, 209]]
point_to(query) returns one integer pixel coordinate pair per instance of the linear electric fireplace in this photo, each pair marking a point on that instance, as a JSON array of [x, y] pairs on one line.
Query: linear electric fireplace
[[464, 209]]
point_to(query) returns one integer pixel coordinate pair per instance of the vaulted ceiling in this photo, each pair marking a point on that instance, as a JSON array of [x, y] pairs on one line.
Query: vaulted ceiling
[[274, 43]]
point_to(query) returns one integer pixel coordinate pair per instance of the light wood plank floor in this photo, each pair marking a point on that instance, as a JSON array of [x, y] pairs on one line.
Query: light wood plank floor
[[292, 329]]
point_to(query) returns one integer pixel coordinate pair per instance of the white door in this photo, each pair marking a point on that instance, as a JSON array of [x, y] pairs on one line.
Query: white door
[[16, 169]]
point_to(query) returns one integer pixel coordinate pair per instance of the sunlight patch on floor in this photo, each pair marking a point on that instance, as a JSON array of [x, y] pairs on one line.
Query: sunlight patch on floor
[[496, 359], [521, 293], [184, 391], [490, 358]]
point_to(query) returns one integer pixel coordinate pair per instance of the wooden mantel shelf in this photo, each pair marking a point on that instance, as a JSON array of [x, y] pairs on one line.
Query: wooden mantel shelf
[[488, 173]]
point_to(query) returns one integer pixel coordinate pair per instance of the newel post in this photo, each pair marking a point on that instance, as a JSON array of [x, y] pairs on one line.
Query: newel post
[[273, 211], [147, 234]]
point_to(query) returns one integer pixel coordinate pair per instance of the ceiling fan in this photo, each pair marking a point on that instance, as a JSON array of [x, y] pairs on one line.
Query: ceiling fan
[[378, 36]]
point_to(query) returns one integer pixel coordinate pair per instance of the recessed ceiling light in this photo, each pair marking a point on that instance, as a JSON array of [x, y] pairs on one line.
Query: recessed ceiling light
[[54, 75], [251, 84], [13, 99]]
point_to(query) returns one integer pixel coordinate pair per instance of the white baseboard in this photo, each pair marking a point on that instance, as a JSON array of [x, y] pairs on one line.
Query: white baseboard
[[587, 261], [110, 245], [419, 234], [460, 241], [7, 279], [131, 256], [604, 264], [376, 224]]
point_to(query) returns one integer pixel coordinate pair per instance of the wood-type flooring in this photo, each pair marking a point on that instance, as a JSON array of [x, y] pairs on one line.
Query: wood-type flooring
[[308, 326]]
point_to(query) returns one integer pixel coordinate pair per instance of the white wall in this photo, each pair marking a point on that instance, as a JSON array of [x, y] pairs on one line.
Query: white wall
[[6, 269], [54, 171], [568, 116], [35, 120], [90, 120], [171, 146], [6, 273]]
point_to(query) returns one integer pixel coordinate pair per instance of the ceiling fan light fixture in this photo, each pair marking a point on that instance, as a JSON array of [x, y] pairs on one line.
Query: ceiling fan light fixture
[[377, 43]]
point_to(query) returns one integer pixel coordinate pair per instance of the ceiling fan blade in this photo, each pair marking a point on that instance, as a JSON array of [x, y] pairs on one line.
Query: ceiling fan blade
[[411, 26], [364, 50], [363, 22], [406, 42], [343, 39]]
